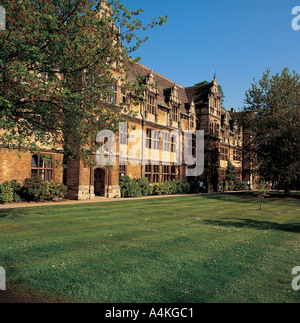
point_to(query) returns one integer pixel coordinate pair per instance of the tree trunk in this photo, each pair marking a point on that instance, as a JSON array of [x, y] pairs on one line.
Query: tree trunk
[[287, 191]]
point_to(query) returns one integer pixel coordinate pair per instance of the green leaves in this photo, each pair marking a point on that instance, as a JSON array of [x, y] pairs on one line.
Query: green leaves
[[272, 113], [45, 56]]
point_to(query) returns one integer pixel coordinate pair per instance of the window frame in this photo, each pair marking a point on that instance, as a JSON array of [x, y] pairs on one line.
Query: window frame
[[166, 173], [172, 144], [192, 123], [166, 141], [148, 172], [155, 139], [224, 153], [122, 171], [149, 138], [112, 98], [172, 172], [44, 171], [155, 174], [151, 104], [175, 114]]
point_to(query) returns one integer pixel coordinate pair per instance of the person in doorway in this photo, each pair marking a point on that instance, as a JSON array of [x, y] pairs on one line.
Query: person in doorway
[[201, 187]]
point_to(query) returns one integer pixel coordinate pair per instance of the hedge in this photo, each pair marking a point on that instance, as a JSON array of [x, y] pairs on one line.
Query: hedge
[[141, 187], [6, 193], [34, 189], [233, 186]]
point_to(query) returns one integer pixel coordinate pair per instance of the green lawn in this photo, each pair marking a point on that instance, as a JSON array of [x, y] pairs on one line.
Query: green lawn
[[209, 248]]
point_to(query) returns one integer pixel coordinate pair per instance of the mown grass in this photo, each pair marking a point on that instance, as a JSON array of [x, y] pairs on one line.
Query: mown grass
[[209, 248]]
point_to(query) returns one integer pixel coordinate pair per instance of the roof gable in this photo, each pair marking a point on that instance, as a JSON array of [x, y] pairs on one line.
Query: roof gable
[[168, 91]]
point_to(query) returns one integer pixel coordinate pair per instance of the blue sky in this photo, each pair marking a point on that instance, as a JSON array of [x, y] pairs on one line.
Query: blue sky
[[238, 39]]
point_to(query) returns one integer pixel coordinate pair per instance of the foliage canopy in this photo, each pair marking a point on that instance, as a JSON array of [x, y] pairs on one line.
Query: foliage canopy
[[59, 61], [272, 115]]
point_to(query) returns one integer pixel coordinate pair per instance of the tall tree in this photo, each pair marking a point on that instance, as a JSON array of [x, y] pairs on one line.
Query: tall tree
[[59, 61], [272, 115], [230, 173]]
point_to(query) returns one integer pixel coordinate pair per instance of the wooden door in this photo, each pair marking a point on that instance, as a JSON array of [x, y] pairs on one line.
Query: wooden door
[[99, 181]]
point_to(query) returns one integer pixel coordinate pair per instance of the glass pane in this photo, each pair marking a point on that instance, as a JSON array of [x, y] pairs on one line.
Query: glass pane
[[42, 163], [48, 175], [42, 174], [34, 161], [49, 164]]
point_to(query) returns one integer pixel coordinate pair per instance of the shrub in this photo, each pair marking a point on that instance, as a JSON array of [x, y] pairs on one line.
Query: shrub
[[194, 187], [226, 186], [57, 191], [18, 191], [10, 192], [173, 187], [168, 188], [130, 187], [178, 184], [146, 187], [263, 192], [230, 173], [124, 183], [231, 186], [142, 187], [222, 186], [181, 187], [241, 186], [158, 189], [6, 192], [185, 188], [36, 189]]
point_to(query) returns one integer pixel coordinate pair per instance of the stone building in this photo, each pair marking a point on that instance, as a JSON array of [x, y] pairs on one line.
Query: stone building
[[167, 108], [223, 135]]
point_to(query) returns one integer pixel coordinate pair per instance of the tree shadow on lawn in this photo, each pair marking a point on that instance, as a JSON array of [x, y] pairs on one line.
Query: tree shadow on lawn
[[240, 197], [14, 213], [246, 197], [254, 224]]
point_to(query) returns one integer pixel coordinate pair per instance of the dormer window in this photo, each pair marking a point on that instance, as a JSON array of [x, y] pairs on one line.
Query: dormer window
[[151, 104], [192, 123], [151, 94], [175, 115]]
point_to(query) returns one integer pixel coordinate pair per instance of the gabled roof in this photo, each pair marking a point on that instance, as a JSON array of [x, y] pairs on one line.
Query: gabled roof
[[199, 93], [164, 86]]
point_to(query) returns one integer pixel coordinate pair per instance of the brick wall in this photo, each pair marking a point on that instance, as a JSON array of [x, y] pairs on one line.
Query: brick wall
[[18, 166]]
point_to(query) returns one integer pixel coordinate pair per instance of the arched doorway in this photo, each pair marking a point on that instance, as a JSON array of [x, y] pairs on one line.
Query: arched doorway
[[99, 181]]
